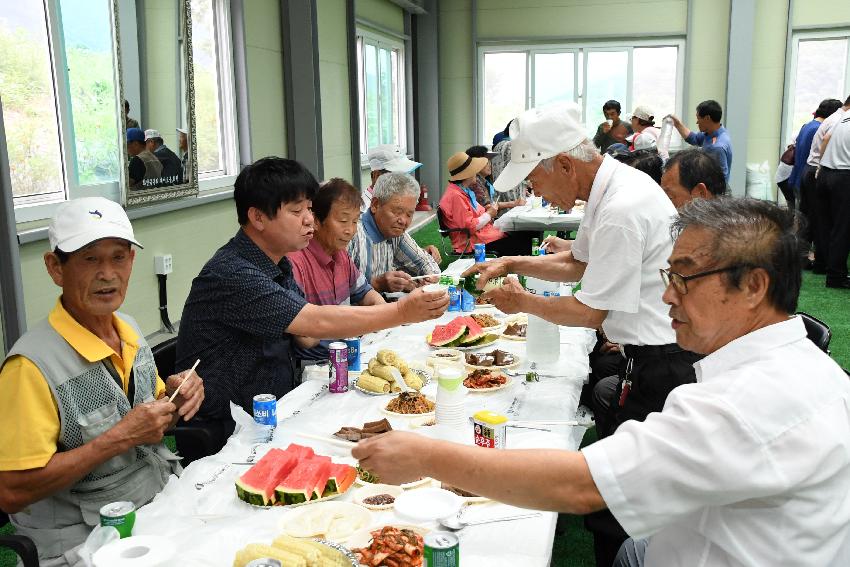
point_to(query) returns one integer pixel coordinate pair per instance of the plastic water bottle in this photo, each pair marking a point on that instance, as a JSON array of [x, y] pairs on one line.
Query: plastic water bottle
[[664, 137], [543, 337]]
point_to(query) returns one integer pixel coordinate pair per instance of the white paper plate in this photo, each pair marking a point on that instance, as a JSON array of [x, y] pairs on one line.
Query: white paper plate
[[425, 374], [394, 414], [508, 384], [364, 538], [428, 504], [333, 521], [368, 490]]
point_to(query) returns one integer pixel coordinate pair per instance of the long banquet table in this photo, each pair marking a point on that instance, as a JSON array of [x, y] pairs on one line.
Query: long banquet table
[[540, 218], [200, 512]]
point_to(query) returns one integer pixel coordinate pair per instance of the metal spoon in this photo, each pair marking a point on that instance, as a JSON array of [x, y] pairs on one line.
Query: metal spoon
[[454, 523]]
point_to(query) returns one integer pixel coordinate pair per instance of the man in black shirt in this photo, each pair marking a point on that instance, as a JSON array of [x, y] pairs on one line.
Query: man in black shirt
[[245, 311], [172, 167]]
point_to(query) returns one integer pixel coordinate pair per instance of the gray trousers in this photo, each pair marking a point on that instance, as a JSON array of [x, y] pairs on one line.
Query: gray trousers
[[631, 553]]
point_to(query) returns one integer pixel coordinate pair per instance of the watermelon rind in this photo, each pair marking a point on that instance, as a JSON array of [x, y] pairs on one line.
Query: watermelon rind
[[473, 331]]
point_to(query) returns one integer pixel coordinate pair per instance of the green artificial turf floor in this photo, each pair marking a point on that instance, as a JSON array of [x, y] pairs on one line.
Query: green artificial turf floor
[[573, 544]]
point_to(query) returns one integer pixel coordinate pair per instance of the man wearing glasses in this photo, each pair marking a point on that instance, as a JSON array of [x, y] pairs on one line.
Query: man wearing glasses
[[748, 466]]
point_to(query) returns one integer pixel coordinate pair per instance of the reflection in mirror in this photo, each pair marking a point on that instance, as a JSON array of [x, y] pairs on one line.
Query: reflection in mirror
[[158, 96]]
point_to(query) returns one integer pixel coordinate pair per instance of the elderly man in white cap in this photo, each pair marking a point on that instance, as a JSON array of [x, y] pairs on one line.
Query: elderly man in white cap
[[82, 409], [172, 166], [386, 158]]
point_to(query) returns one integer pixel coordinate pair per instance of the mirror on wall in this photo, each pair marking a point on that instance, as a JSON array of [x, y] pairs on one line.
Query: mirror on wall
[[154, 48]]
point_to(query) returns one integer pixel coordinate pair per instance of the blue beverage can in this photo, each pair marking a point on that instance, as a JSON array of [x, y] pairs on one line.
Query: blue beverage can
[[265, 409], [353, 353], [480, 252], [467, 302], [338, 352], [455, 297]]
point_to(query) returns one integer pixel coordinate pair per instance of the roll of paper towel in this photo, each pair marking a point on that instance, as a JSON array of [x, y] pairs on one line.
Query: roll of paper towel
[[137, 551]]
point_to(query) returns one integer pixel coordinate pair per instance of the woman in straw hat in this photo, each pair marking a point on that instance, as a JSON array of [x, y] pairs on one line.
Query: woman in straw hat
[[461, 210]]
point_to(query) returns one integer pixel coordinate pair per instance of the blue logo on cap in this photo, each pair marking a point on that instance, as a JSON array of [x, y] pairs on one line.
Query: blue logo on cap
[[96, 213]]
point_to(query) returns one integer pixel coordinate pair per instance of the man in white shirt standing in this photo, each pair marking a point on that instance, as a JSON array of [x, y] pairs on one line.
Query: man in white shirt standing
[[834, 202], [749, 466]]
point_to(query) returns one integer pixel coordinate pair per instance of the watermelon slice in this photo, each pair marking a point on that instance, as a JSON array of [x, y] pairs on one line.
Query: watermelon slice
[[306, 482], [257, 485], [300, 451], [473, 331], [342, 476], [442, 335]]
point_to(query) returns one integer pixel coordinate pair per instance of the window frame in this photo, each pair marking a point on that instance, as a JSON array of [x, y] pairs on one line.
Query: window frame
[[36, 209], [787, 131], [380, 41], [581, 49]]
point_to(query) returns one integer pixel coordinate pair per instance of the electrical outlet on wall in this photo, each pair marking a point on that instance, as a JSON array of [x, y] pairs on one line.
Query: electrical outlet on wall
[[162, 264]]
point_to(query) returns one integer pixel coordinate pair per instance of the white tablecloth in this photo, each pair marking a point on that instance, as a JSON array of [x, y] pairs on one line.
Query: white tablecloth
[[210, 524], [527, 218]]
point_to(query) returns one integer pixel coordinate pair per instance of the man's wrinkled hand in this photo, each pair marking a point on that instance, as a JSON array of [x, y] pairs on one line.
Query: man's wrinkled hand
[[395, 457], [555, 244], [508, 298], [434, 253], [423, 305], [146, 423], [488, 270], [395, 281], [190, 396]]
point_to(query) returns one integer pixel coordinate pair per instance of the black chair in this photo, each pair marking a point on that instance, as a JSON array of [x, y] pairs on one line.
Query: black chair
[[817, 331], [20, 544], [195, 439], [444, 231]]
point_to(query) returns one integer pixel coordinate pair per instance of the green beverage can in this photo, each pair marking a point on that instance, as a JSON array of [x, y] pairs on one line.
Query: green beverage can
[[442, 549], [535, 247], [119, 515]]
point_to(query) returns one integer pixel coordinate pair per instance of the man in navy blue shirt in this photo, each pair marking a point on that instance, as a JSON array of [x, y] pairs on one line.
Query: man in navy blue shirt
[[712, 136]]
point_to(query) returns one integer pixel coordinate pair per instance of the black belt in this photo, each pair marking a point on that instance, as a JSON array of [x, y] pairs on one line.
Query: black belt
[[634, 351]]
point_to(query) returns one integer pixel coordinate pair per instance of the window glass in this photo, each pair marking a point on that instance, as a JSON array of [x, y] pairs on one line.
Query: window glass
[[29, 109], [820, 74], [87, 38], [654, 80], [381, 92], [607, 78], [373, 134], [209, 137], [504, 90], [554, 75], [386, 97]]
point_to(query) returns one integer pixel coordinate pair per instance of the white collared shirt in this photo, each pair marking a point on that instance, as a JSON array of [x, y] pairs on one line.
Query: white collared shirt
[[837, 154], [825, 128], [748, 466], [624, 238]]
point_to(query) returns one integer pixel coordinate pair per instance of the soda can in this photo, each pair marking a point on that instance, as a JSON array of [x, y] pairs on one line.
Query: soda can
[[455, 292], [442, 549], [265, 409], [339, 367], [490, 429], [119, 515], [480, 252], [353, 353]]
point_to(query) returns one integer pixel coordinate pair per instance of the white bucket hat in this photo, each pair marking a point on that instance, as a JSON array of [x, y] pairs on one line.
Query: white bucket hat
[[80, 222], [538, 134], [390, 158]]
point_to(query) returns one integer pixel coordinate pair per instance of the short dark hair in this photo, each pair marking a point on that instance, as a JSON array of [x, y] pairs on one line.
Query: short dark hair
[[126, 105], [710, 108], [827, 107], [648, 161], [270, 182], [611, 105], [698, 166], [332, 191], [751, 234], [477, 151]]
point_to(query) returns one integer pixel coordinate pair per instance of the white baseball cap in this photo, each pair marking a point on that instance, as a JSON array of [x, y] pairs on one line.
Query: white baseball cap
[[390, 158], [151, 134], [80, 222], [538, 134], [644, 113]]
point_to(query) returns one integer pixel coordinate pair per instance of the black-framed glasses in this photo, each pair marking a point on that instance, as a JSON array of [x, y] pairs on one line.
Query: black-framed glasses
[[680, 282]]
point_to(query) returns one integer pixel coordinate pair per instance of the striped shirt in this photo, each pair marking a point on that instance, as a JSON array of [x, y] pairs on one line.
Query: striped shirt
[[375, 254], [326, 280]]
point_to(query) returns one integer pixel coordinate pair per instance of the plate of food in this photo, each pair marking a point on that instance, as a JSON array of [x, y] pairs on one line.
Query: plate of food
[[486, 380], [487, 322], [494, 360], [382, 374], [409, 404], [333, 521], [397, 544], [461, 333], [288, 549], [377, 496], [365, 478], [516, 328], [483, 303], [369, 429]]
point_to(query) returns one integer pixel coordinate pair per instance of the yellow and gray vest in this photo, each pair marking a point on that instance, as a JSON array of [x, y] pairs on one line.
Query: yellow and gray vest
[[90, 402]]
